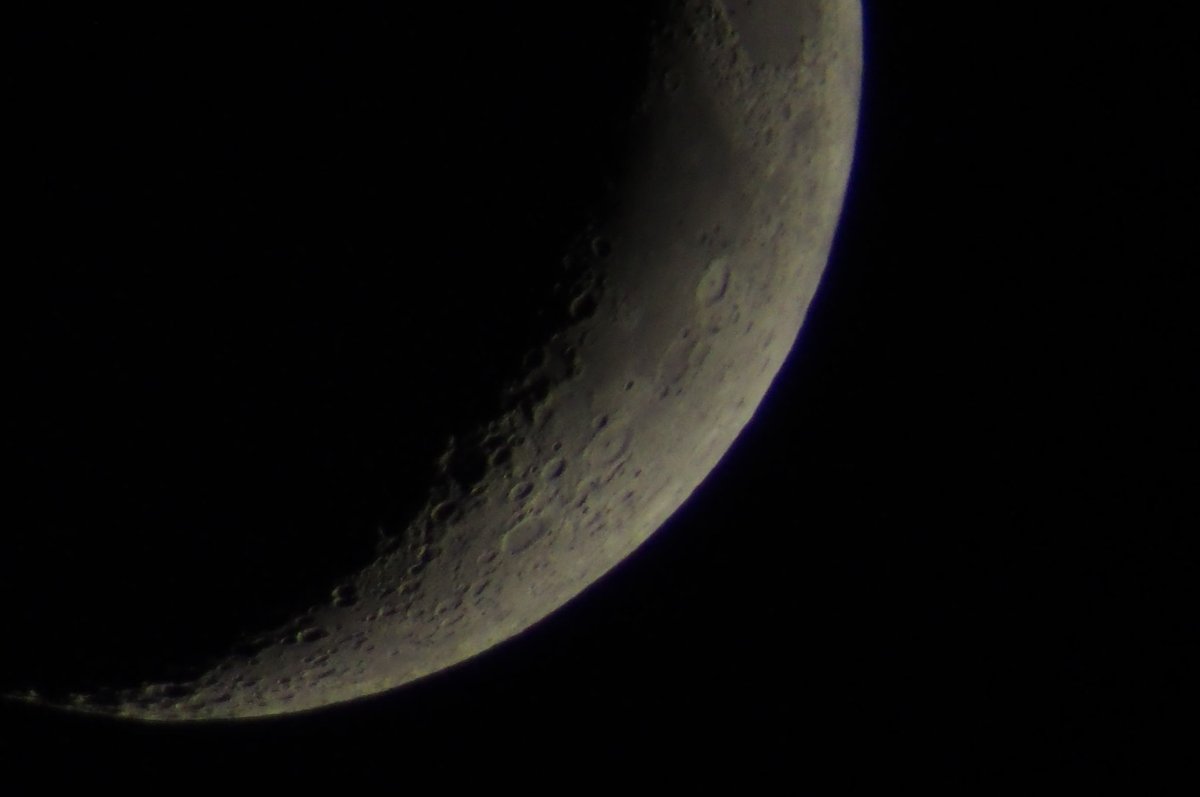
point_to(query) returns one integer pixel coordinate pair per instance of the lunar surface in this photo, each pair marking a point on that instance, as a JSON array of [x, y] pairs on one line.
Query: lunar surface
[[676, 303]]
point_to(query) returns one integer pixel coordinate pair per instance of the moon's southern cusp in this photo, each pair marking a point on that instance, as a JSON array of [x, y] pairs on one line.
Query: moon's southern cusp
[[689, 294]]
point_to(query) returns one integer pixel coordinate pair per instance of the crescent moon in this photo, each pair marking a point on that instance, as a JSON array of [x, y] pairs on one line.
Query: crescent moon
[[691, 293]]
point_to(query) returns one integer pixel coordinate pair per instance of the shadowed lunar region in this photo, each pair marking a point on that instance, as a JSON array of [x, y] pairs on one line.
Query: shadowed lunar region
[[348, 349]]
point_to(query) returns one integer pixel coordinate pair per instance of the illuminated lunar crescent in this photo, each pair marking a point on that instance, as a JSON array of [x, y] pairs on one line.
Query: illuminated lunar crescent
[[698, 283]]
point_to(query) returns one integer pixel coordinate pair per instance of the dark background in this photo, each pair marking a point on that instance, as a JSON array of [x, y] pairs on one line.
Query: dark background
[[956, 541]]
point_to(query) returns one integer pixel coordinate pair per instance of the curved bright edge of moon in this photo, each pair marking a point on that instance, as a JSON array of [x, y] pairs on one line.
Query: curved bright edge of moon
[[747, 137]]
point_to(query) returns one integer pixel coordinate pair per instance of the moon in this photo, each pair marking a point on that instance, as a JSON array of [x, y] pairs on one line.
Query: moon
[[679, 304]]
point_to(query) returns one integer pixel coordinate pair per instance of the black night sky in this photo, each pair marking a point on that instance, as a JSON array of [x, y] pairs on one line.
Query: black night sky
[[956, 540]]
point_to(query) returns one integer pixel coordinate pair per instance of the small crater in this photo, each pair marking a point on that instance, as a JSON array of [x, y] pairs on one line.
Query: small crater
[[165, 690], [345, 595], [443, 511], [554, 468], [520, 491], [680, 359], [311, 635], [601, 247], [501, 456], [714, 282], [525, 535], [422, 556], [382, 612], [491, 443], [611, 442], [583, 306]]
